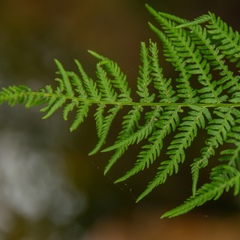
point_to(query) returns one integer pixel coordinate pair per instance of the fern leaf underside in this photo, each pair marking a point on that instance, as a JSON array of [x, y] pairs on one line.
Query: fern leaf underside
[[205, 96]]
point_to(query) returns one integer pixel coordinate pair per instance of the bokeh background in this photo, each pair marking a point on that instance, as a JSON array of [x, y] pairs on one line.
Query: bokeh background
[[49, 187]]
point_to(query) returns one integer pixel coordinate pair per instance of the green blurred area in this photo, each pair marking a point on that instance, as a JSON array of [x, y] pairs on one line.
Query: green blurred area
[[49, 187]]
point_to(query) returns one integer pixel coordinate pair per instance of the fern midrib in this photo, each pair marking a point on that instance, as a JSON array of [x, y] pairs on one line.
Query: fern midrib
[[114, 103]]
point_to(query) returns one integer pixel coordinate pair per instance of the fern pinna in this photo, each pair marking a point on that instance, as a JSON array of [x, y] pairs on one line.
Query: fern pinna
[[205, 95]]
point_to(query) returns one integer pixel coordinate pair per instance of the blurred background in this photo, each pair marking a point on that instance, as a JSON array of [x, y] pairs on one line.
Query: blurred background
[[49, 187]]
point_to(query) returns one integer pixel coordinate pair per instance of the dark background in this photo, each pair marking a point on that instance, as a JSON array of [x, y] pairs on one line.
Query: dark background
[[49, 187]]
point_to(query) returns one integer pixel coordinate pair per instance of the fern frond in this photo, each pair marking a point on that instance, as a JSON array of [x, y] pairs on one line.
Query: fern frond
[[105, 127], [167, 112]]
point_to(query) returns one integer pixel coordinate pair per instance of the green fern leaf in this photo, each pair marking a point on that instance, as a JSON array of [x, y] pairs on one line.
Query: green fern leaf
[[89, 85], [166, 113], [65, 79], [106, 124], [145, 77]]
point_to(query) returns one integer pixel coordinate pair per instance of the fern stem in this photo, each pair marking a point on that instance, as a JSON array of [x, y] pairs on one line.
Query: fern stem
[[44, 95]]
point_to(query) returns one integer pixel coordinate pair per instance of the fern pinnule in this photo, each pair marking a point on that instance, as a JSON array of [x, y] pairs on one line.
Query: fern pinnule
[[140, 134], [80, 91], [53, 105], [145, 77], [231, 155], [78, 85], [105, 127], [235, 97], [81, 113], [105, 86], [129, 125], [165, 90], [65, 81], [171, 17], [189, 24], [34, 98], [119, 79], [229, 39], [68, 108], [89, 85], [217, 129]]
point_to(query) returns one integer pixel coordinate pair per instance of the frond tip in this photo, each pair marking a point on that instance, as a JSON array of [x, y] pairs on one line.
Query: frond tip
[[165, 116]]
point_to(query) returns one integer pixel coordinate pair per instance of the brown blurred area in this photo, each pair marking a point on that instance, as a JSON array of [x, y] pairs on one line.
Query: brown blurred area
[[145, 224], [49, 187]]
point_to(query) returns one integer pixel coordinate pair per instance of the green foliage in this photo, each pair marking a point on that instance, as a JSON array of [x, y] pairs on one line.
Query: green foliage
[[205, 96]]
